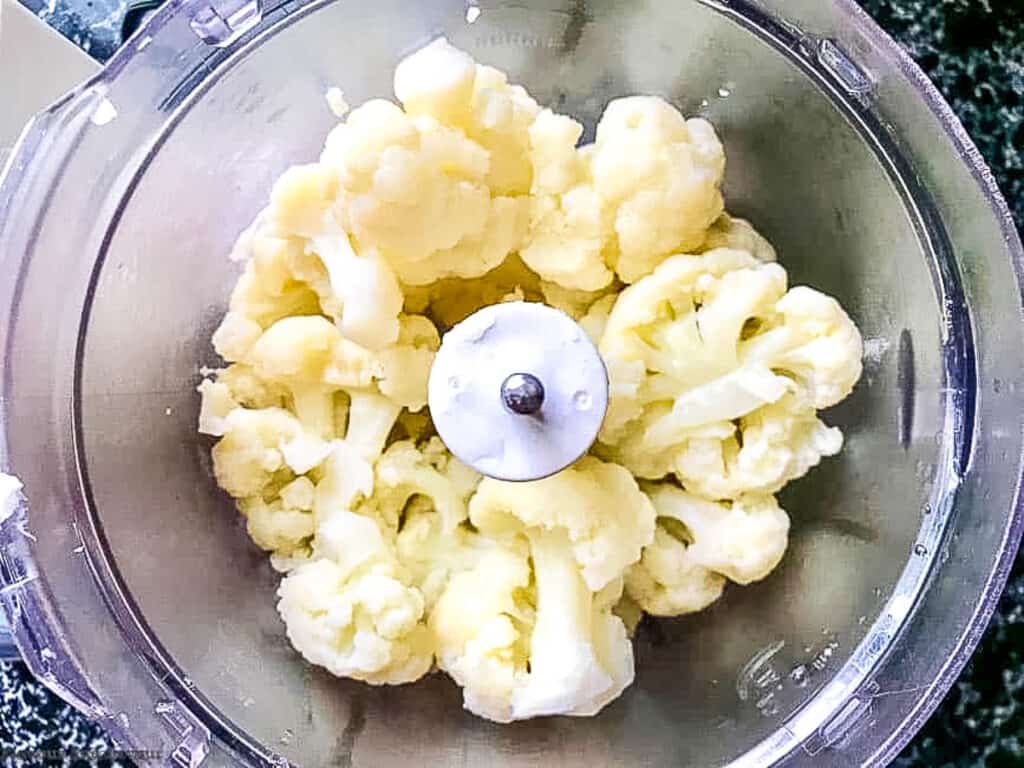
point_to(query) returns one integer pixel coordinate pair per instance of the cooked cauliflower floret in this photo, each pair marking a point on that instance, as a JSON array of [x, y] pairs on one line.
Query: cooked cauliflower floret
[[521, 652], [704, 355], [404, 471], [699, 544], [261, 446], [668, 581], [361, 622], [661, 174], [416, 192], [607, 518], [743, 539], [283, 526]]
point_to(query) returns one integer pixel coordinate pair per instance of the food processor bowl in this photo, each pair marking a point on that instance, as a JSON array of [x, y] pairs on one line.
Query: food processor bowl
[[130, 584]]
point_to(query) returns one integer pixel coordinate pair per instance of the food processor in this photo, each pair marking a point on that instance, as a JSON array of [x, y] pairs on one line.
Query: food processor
[[128, 582]]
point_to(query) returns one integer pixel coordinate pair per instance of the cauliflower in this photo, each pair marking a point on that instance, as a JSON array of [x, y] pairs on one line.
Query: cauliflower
[[715, 371], [668, 581], [217, 402], [361, 622], [743, 539], [405, 367], [700, 543], [279, 281], [570, 223], [416, 192], [581, 657], [416, 215], [404, 472], [260, 447], [482, 623], [555, 649], [283, 526], [444, 84], [661, 175], [600, 507]]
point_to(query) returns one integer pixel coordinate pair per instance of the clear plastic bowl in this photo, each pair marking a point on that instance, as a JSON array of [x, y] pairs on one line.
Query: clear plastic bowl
[[130, 585]]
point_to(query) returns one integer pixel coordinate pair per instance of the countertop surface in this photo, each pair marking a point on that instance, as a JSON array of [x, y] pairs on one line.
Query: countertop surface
[[974, 51]]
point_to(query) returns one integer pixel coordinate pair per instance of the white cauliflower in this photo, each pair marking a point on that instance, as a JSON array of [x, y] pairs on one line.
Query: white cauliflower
[[260, 448], [404, 471], [482, 622], [668, 581], [661, 175], [362, 622], [519, 651], [743, 539], [416, 192], [607, 518], [570, 223], [715, 372], [285, 525], [700, 543], [444, 84], [414, 217]]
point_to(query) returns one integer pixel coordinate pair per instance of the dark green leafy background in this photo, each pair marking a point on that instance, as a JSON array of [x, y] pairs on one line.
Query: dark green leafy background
[[974, 51]]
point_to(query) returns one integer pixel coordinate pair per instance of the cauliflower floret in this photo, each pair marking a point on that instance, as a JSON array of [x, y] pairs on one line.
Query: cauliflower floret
[[261, 446], [416, 192], [235, 336], [668, 581], [404, 472], [770, 446], [445, 84], [249, 390], [739, 235], [283, 526], [362, 622], [743, 539], [367, 296], [607, 518], [521, 652], [482, 623], [661, 175], [581, 657], [279, 281], [715, 371], [570, 223], [310, 358]]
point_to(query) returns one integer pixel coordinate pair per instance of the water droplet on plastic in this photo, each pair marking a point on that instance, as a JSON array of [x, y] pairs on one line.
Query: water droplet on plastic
[[920, 550], [582, 400], [799, 676], [168, 411], [927, 509], [472, 14], [287, 736]]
